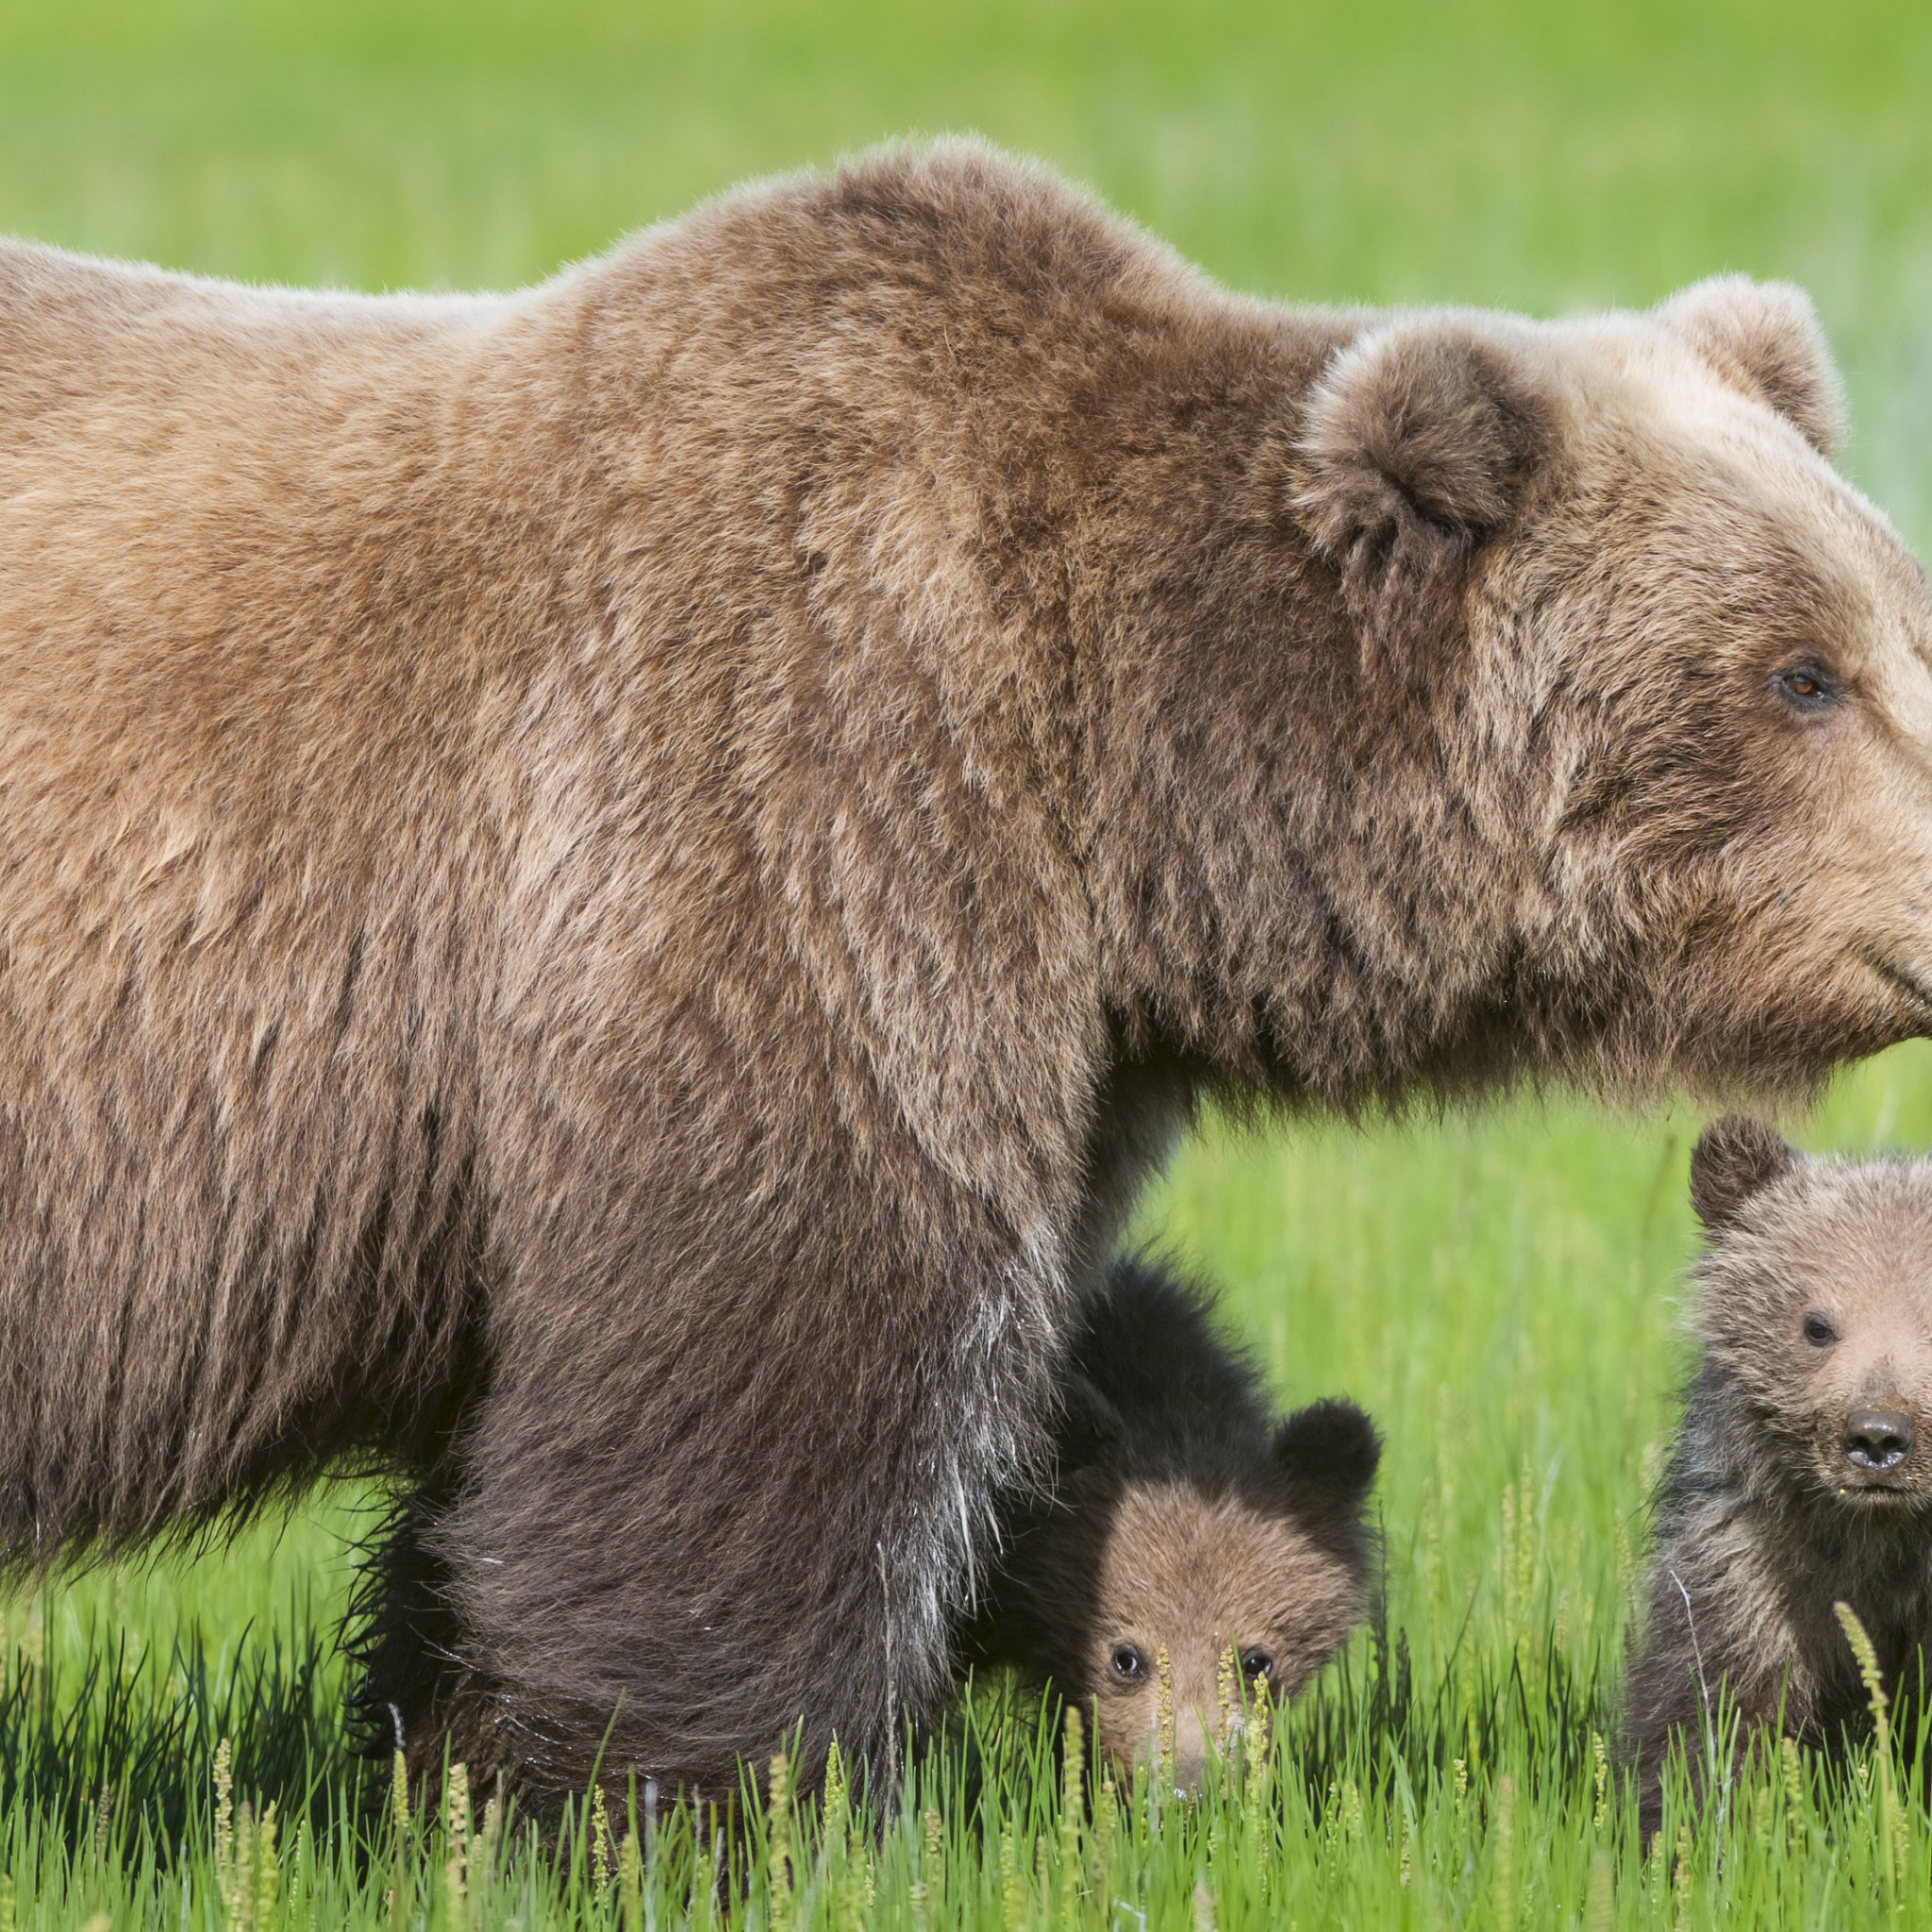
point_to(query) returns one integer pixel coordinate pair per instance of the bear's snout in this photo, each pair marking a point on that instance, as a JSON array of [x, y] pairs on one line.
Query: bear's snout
[[1877, 1440]]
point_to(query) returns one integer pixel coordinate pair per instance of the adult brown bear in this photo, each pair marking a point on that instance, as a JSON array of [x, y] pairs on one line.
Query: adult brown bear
[[606, 896]]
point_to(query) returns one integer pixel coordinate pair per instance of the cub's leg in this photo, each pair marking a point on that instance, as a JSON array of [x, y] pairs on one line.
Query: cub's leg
[[1707, 1651]]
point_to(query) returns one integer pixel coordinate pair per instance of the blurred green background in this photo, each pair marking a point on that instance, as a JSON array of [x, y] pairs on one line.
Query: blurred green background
[[1500, 1290], [1540, 156]]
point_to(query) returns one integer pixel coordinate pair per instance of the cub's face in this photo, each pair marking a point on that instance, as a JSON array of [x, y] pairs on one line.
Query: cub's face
[[1196, 1577], [1817, 1302]]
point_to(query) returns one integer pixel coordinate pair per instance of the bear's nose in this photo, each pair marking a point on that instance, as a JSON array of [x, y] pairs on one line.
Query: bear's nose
[[1877, 1439]]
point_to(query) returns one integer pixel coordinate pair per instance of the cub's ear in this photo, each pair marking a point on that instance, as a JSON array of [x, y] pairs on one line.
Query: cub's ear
[[1733, 1158], [1763, 339], [1331, 1444], [1419, 440]]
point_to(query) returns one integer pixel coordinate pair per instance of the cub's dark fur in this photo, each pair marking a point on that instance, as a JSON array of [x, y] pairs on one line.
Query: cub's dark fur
[[1183, 1518], [1801, 1475]]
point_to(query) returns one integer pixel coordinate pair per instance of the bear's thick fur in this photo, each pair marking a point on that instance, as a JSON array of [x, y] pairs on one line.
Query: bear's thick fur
[[606, 894], [1179, 1519], [1801, 1476]]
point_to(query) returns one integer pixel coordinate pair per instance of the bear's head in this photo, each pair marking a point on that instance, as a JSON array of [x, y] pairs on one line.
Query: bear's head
[[1611, 754], [1816, 1312], [1245, 1579], [1611, 562]]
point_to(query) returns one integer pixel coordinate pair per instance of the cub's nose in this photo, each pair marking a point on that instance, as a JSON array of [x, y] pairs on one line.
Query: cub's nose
[[1190, 1752], [1877, 1439]]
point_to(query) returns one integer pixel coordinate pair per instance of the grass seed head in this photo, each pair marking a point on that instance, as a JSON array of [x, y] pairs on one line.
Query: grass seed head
[[456, 1835], [1163, 1680], [602, 1869], [630, 1884], [1073, 1799], [268, 1869], [224, 1804], [779, 1840], [399, 1799]]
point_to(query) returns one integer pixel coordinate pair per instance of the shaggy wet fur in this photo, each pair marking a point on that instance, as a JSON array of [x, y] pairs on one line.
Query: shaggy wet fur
[[608, 893], [1181, 1520], [1815, 1315]]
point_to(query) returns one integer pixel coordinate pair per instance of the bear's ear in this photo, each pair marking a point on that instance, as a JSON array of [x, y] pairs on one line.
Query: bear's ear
[[1332, 1445], [1419, 438], [1763, 339], [1733, 1158]]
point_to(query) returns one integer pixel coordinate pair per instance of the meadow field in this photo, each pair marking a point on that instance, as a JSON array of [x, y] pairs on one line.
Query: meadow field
[[1502, 1290]]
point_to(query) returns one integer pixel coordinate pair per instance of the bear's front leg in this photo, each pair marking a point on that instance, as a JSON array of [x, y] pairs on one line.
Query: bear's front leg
[[1716, 1667], [720, 1493]]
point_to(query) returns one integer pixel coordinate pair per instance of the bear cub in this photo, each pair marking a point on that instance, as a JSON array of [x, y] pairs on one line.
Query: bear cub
[[1801, 1476], [1182, 1517]]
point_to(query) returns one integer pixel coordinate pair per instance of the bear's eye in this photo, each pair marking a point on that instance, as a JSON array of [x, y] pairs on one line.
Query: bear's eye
[[1127, 1666], [1805, 687], [1819, 1332], [1256, 1666]]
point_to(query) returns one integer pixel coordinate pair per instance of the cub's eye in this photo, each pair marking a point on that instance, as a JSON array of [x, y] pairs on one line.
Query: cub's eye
[[1805, 687], [1256, 1666], [1819, 1332], [1127, 1667]]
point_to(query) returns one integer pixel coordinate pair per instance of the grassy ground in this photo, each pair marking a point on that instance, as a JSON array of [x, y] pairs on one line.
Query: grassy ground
[[1498, 1290]]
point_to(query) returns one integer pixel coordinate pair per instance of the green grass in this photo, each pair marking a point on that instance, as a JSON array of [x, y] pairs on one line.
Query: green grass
[[1500, 1290]]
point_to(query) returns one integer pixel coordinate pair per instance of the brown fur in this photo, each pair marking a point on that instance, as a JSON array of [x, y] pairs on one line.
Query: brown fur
[[1775, 1509], [607, 892], [1181, 1522]]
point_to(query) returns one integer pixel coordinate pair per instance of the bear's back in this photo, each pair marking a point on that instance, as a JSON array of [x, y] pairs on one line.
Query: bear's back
[[115, 359]]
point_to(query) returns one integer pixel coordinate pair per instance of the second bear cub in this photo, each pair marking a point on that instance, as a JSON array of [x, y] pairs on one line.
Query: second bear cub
[[1182, 1519], [1801, 1474]]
